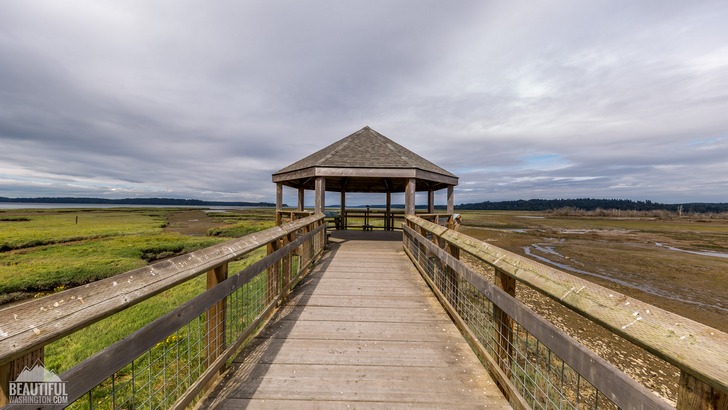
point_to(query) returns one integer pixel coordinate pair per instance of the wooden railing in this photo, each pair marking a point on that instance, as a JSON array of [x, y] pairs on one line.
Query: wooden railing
[[363, 219], [285, 216], [539, 366], [168, 362]]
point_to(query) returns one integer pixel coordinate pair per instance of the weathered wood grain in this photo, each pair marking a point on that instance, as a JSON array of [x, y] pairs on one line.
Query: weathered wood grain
[[696, 348], [27, 326], [612, 382], [379, 342]]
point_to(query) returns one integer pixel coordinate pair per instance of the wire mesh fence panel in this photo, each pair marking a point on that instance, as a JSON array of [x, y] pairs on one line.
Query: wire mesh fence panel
[[539, 375], [477, 312], [546, 381], [164, 373], [156, 378], [186, 354], [244, 305]]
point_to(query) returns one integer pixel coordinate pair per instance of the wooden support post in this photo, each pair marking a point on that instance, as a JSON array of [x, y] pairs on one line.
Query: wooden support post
[[320, 194], [10, 371], [301, 199], [279, 203], [504, 324], [693, 394], [430, 201], [342, 214], [450, 199], [215, 316], [409, 197], [388, 221], [342, 217]]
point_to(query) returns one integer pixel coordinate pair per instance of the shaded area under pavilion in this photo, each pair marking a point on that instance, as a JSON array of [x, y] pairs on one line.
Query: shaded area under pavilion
[[366, 162]]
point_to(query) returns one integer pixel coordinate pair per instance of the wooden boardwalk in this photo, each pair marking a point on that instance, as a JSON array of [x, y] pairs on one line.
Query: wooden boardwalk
[[362, 331]]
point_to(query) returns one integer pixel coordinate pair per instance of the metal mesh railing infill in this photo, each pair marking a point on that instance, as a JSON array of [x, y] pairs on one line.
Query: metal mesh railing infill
[[514, 342], [181, 351]]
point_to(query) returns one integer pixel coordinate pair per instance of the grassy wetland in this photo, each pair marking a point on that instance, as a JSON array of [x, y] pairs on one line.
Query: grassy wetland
[[676, 262], [48, 250]]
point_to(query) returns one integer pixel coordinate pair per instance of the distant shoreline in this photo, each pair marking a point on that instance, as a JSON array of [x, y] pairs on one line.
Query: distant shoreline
[[8, 206], [66, 201], [587, 204]]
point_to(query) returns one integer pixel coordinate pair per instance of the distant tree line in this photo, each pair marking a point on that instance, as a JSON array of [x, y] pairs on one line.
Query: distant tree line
[[132, 201], [590, 204], [587, 204]]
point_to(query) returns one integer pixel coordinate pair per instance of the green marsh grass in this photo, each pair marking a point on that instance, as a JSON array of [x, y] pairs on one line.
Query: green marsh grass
[[239, 229], [36, 228], [178, 359], [42, 251], [71, 264]]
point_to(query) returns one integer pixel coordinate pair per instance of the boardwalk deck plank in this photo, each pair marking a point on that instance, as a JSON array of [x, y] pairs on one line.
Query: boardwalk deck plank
[[362, 331]]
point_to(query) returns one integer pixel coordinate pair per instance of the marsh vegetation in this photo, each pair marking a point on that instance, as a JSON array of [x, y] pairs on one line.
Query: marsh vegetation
[[676, 262], [49, 250], [43, 250]]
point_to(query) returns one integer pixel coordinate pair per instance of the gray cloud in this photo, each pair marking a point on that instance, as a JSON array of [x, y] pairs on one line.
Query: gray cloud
[[521, 100]]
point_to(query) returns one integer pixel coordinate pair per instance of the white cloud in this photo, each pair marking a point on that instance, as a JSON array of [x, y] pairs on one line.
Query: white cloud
[[559, 99]]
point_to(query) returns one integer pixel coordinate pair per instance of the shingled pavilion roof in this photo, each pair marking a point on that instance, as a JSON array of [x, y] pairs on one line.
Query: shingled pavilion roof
[[365, 161]]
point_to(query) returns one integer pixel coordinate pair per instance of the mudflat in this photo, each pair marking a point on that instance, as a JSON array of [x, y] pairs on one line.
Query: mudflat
[[679, 264]]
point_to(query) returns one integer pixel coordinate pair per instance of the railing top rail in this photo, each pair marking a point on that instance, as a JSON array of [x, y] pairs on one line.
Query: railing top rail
[[610, 381], [27, 326], [692, 346]]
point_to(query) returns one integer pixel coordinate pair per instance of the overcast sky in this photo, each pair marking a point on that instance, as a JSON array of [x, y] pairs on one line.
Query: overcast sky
[[520, 99]]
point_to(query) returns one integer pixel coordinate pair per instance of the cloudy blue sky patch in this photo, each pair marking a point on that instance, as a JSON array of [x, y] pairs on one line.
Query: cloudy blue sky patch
[[191, 99]]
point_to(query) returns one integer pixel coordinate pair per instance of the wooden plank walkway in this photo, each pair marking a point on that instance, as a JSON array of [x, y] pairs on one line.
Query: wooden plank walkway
[[362, 331]]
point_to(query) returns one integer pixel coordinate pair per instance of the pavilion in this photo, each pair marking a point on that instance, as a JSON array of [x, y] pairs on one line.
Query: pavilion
[[365, 161]]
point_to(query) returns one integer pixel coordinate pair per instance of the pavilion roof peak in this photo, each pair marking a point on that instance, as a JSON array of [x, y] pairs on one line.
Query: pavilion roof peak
[[365, 148]]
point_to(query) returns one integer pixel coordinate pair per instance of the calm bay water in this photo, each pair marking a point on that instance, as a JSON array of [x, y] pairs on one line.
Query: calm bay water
[[22, 205]]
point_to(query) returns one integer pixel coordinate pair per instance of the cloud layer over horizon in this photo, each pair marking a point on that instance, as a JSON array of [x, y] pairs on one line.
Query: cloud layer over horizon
[[190, 99]]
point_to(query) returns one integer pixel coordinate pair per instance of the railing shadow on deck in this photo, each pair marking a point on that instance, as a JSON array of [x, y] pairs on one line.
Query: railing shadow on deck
[[167, 363], [536, 364]]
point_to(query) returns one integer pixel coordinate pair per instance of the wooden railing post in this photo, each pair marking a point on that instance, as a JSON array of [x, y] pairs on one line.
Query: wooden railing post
[[273, 274], [504, 324], [308, 249], [216, 316], [11, 370], [693, 394], [286, 267], [437, 276]]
